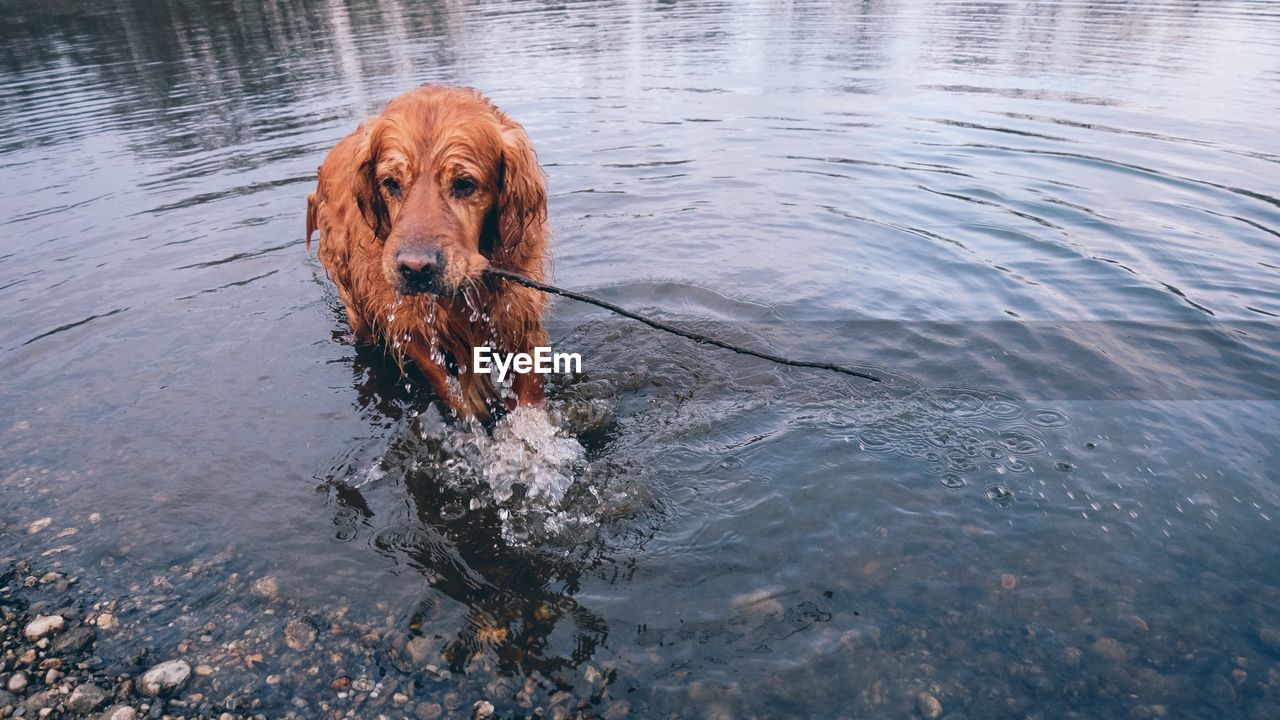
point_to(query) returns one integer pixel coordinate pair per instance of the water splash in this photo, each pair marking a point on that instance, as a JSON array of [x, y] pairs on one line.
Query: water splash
[[527, 449]]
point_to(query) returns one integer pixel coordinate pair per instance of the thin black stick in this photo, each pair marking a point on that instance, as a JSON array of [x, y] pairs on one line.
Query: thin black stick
[[553, 290]]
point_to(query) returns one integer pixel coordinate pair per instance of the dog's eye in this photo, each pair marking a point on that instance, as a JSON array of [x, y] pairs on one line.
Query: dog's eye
[[391, 186], [463, 187]]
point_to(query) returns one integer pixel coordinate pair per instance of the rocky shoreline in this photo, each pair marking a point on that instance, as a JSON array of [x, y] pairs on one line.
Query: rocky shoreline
[[68, 652]]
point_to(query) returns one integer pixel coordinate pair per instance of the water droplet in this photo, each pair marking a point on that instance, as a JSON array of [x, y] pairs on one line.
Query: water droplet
[[1048, 418], [1000, 495], [1020, 442]]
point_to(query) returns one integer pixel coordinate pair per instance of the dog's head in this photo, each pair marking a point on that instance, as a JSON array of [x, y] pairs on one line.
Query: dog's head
[[449, 184]]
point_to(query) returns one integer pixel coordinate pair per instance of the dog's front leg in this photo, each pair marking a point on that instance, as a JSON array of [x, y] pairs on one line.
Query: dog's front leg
[[528, 387], [437, 378], [527, 390]]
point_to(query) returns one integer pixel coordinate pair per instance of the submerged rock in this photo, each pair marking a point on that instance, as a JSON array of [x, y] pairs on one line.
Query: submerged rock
[[73, 641], [267, 587], [165, 677], [299, 634], [118, 712], [86, 698], [1111, 649], [41, 700], [421, 650], [928, 705], [44, 625]]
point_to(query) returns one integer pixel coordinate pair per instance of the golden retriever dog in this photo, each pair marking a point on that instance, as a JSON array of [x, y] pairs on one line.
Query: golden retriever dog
[[412, 208]]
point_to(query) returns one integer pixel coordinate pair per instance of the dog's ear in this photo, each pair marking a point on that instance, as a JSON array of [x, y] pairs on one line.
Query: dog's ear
[[312, 213], [522, 201], [368, 196]]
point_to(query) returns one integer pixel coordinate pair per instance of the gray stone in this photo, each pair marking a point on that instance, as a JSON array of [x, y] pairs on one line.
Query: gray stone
[[44, 625], [165, 677], [429, 711], [299, 634], [119, 712], [928, 705], [86, 698], [41, 700], [73, 640], [266, 587]]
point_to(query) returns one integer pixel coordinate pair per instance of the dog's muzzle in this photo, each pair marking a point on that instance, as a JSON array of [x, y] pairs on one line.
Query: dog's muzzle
[[420, 272]]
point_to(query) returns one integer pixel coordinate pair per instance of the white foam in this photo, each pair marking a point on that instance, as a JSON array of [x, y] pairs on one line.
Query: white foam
[[526, 448]]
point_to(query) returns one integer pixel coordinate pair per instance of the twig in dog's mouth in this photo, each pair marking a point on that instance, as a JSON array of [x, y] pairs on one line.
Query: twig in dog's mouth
[[659, 325]]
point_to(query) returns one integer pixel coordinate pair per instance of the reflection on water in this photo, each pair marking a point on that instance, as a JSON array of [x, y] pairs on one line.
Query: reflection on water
[[1051, 226]]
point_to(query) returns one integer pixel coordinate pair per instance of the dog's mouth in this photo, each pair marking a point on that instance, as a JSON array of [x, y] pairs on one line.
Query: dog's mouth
[[429, 272], [424, 286], [429, 280]]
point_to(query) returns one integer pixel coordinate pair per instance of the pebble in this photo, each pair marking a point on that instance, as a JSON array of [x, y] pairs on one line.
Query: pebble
[[39, 525], [118, 712], [95, 518], [429, 711], [1111, 649], [44, 625], [41, 700], [760, 602], [107, 621], [165, 677], [204, 670], [266, 587], [73, 641], [299, 635], [1270, 637], [928, 705], [420, 650], [482, 710], [1008, 581], [86, 698], [18, 682], [1072, 656]]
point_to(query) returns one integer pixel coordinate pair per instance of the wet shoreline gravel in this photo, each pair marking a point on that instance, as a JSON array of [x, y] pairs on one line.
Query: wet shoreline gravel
[[67, 651]]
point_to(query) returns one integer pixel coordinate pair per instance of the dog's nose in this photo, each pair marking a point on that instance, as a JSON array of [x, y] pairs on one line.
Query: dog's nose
[[419, 270], [416, 262]]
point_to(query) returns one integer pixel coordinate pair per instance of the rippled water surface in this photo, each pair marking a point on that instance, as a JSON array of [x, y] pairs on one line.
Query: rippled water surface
[[1054, 228]]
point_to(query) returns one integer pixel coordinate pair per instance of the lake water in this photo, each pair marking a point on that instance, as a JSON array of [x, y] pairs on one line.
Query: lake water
[[1054, 229]]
